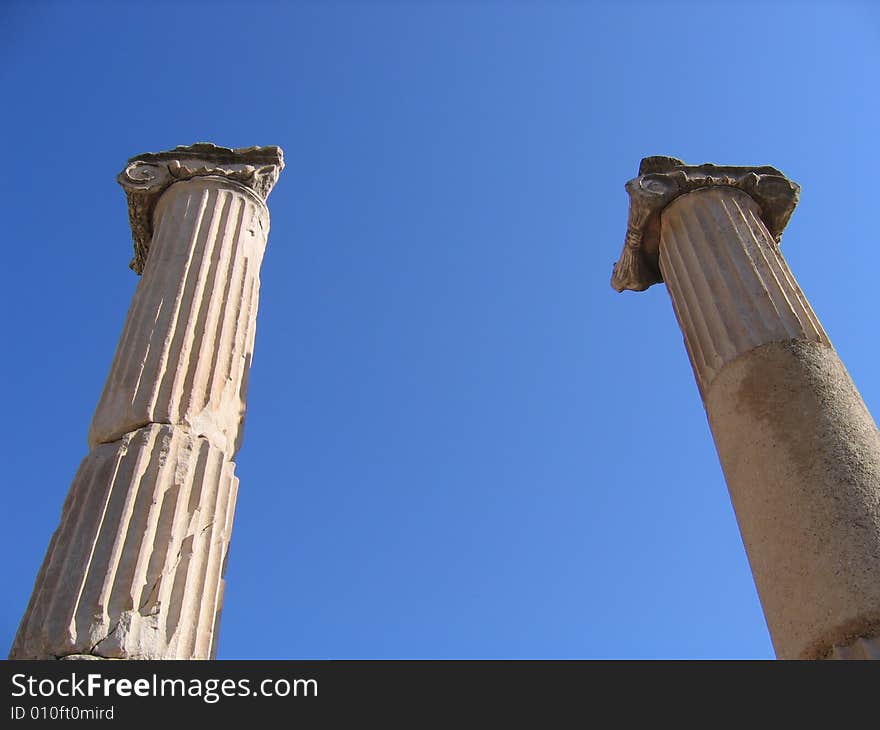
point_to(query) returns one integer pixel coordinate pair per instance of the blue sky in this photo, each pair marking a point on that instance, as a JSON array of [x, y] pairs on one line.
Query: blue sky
[[460, 441]]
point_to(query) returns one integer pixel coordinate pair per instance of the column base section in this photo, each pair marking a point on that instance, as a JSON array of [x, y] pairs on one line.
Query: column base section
[[134, 570]]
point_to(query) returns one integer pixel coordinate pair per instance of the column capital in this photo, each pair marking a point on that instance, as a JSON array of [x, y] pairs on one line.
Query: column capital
[[661, 180], [146, 176]]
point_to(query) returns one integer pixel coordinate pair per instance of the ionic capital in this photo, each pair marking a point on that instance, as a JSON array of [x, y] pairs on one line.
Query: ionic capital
[[661, 180], [147, 176]]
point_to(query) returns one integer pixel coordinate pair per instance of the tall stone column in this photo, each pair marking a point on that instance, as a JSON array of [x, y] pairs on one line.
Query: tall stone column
[[135, 568], [799, 450]]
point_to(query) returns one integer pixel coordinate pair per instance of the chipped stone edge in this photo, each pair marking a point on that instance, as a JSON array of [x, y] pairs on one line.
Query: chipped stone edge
[[661, 180], [861, 648]]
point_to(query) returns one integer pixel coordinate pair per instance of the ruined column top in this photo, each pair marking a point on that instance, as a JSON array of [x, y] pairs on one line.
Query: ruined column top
[[661, 180], [146, 176]]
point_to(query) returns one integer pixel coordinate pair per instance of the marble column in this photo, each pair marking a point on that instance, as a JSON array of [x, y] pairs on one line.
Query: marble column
[[798, 448], [135, 568]]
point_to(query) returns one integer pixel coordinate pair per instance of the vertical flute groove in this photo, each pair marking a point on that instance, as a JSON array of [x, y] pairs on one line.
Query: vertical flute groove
[[750, 287], [675, 270], [187, 334]]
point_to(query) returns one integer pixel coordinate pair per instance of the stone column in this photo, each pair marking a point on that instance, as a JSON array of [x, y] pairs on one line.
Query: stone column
[[135, 568], [799, 450]]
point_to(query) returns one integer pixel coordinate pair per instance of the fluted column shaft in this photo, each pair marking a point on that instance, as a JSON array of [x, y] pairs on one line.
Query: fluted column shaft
[[135, 568], [185, 350], [799, 450], [730, 287]]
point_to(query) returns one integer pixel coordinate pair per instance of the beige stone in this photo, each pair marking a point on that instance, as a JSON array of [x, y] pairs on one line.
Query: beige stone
[[135, 568], [187, 343], [799, 450], [729, 285], [801, 456]]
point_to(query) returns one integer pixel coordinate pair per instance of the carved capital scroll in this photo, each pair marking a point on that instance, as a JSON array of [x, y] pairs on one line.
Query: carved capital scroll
[[661, 180], [147, 176]]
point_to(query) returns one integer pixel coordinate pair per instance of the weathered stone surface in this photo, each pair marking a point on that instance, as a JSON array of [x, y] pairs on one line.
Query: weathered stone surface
[[799, 450], [135, 568], [859, 649], [187, 344]]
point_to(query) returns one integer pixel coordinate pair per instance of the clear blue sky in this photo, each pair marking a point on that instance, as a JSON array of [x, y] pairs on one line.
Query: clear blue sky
[[460, 442]]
